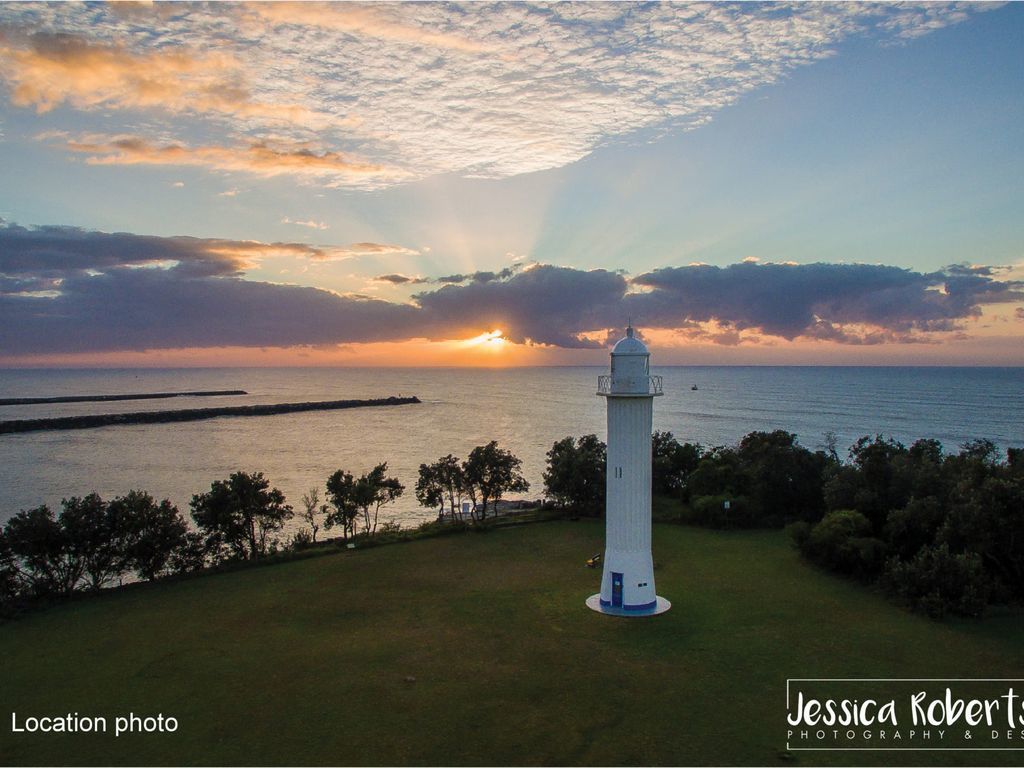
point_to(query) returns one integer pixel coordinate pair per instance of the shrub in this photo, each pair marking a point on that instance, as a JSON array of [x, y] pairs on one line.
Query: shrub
[[842, 542], [936, 582], [391, 531], [799, 532]]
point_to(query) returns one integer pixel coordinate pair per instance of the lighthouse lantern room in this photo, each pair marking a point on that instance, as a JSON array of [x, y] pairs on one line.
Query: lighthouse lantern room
[[627, 583]]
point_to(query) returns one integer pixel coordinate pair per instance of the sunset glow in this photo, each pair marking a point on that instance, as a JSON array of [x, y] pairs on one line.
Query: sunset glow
[[390, 184], [491, 341]]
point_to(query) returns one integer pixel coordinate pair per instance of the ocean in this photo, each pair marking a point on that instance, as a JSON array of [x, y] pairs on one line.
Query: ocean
[[524, 409]]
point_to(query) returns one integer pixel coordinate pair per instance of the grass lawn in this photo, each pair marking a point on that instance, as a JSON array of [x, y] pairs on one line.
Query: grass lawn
[[307, 662]]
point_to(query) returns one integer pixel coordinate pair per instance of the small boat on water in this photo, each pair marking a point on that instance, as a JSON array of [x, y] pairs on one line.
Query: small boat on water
[[694, 387]]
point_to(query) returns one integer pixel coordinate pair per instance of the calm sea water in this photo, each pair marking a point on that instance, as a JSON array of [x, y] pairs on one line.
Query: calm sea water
[[526, 410]]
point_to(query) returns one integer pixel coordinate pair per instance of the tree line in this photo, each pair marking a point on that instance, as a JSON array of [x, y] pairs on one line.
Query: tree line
[[93, 543], [941, 533]]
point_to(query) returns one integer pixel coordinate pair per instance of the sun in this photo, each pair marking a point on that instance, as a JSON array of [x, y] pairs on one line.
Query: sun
[[491, 341]]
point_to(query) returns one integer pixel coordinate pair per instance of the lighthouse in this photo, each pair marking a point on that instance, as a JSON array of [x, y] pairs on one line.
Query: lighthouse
[[627, 583]]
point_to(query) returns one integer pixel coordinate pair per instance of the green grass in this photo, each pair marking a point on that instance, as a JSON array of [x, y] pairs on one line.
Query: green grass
[[306, 662]]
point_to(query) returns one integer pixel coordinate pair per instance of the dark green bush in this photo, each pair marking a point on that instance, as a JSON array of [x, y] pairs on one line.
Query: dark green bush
[[842, 541], [936, 582], [908, 529]]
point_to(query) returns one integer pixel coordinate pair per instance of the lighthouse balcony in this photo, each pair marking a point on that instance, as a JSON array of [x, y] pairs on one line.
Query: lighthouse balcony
[[629, 386]]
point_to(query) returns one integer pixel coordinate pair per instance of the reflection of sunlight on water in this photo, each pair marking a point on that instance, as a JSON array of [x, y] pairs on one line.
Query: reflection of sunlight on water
[[525, 409]]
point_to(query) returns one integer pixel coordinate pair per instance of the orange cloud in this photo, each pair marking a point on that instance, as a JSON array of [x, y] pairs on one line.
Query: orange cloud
[[247, 253], [377, 249], [50, 70], [364, 21], [259, 159], [250, 250]]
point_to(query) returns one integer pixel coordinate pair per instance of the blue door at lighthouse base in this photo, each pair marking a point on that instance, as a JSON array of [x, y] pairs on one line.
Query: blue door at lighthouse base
[[616, 590]]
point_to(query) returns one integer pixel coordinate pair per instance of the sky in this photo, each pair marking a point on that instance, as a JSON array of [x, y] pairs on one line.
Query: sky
[[509, 183]]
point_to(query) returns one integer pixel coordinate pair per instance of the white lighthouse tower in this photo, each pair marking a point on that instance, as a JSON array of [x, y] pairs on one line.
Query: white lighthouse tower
[[627, 584]]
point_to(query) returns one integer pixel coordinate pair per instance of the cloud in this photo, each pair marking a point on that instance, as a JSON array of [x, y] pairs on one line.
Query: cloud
[[47, 70], [136, 309], [258, 159], [818, 300], [59, 251], [480, 90], [478, 277], [545, 305], [396, 279], [370, 249], [64, 289], [362, 20], [310, 223]]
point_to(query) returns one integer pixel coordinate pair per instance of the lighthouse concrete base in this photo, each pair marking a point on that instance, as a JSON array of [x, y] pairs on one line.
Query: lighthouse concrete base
[[594, 604]]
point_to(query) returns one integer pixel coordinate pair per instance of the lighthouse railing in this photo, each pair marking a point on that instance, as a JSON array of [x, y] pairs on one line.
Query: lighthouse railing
[[628, 385]]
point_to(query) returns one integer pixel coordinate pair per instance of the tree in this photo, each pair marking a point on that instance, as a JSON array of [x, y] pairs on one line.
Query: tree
[[355, 497], [575, 474], [912, 527], [311, 508], [830, 443], [10, 577], [842, 541], [375, 490], [155, 533], [440, 482], [983, 450], [98, 534], [342, 497], [429, 492], [1015, 458], [717, 474], [881, 486], [46, 560], [238, 515], [988, 520], [490, 473], [781, 478], [672, 462], [191, 555]]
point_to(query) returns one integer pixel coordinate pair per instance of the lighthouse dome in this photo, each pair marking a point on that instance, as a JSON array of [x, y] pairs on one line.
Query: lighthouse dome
[[630, 345], [630, 374]]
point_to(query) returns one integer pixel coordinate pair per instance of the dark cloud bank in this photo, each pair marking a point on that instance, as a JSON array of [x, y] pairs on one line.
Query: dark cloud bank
[[64, 289]]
